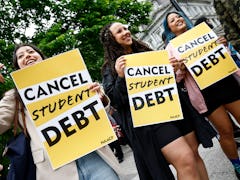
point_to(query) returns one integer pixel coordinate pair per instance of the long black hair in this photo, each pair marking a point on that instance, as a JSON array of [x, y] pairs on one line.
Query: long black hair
[[19, 103]]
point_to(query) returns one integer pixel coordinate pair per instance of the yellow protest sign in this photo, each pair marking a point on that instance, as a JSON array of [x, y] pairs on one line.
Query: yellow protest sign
[[152, 90], [206, 60], [68, 117]]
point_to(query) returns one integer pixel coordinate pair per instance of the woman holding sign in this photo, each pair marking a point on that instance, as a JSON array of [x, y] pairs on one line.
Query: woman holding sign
[[154, 146], [100, 164], [213, 101]]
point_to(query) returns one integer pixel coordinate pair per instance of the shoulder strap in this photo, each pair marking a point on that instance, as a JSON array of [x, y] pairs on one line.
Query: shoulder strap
[[16, 118], [15, 123]]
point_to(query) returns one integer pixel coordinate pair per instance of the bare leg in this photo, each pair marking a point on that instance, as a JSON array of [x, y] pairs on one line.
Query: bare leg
[[222, 123], [234, 109], [181, 156], [193, 143]]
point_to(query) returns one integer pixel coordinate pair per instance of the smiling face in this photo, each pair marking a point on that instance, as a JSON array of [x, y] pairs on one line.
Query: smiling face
[[27, 56], [122, 35], [176, 24]]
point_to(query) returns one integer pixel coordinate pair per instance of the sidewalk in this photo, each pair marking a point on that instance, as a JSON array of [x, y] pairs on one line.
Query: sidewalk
[[128, 165], [217, 164]]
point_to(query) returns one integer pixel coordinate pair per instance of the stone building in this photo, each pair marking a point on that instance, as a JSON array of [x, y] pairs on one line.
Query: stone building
[[152, 34]]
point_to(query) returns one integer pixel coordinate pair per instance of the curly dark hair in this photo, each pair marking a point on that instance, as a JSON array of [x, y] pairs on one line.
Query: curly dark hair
[[113, 50]]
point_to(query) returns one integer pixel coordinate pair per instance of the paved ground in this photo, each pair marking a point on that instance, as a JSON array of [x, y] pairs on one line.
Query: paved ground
[[218, 166], [128, 164]]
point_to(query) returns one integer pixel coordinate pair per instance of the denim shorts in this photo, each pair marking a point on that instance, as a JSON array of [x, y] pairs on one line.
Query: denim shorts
[[93, 167]]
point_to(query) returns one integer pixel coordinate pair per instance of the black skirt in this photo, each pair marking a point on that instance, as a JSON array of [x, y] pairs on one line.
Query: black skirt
[[222, 92]]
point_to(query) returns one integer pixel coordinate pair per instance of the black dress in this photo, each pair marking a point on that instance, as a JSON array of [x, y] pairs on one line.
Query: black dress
[[149, 161], [222, 92], [144, 141]]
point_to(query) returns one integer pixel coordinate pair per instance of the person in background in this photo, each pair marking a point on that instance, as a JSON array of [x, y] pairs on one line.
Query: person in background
[[229, 16], [154, 146], [100, 164], [116, 146], [123, 140], [212, 102], [236, 57]]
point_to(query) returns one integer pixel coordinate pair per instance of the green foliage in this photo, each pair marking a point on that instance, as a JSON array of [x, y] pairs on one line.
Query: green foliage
[[7, 85], [6, 50], [18, 15], [79, 24], [4, 160]]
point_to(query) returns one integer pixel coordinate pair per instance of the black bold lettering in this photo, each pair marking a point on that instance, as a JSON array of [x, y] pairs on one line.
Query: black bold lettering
[[197, 70], [61, 82], [167, 70], [74, 80], [180, 49], [41, 92], [200, 40], [159, 97], [148, 99], [81, 79], [66, 126], [27, 95], [50, 141], [81, 121], [129, 73], [213, 59], [93, 110], [220, 52], [138, 72], [153, 70], [135, 104], [205, 64], [51, 87], [169, 92]]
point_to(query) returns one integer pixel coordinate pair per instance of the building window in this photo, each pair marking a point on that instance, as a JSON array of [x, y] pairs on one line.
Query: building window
[[157, 34], [149, 42]]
